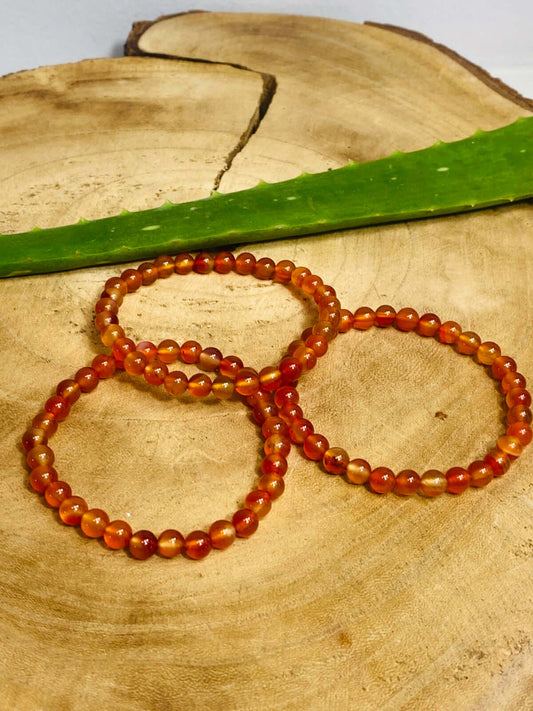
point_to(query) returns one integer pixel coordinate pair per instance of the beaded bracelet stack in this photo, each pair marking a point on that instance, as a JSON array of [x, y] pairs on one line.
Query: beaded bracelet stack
[[272, 396]]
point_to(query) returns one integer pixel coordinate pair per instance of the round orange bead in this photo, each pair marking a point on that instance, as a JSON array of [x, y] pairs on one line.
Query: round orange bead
[[407, 483], [458, 480], [284, 270], [363, 318], [406, 319], [274, 464], [105, 319], [104, 365], [70, 390], [433, 483], [310, 284], [260, 502], [93, 523], [318, 343], [345, 320], [300, 429], [274, 425], [382, 480], [487, 352], [87, 378], [481, 473], [32, 437], [244, 263], [56, 493], [176, 382], [264, 268], [117, 534], [72, 509], [385, 316], [273, 484], [315, 446], [269, 378], [230, 366], [428, 325], [58, 406], [199, 385], [518, 396], [522, 431], [117, 283], [502, 365], [155, 372], [510, 445], [197, 545], [190, 352], [143, 544], [148, 272], [306, 357], [111, 334], [210, 359], [45, 421], [245, 522], [132, 279], [449, 332], [165, 266], [222, 534], [512, 380], [468, 343], [183, 263], [519, 413], [170, 543], [299, 274], [358, 471], [286, 394], [41, 477], [168, 351], [247, 381], [224, 262], [498, 461], [204, 263], [222, 388], [277, 444], [40, 455], [335, 460], [135, 363]]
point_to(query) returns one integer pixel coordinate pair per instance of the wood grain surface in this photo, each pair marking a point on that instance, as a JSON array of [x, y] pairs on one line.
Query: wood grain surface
[[343, 599]]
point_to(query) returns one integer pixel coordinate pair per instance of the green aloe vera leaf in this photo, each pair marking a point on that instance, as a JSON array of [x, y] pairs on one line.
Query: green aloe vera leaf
[[488, 168]]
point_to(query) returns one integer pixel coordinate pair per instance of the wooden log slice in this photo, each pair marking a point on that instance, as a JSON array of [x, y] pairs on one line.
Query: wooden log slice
[[343, 599]]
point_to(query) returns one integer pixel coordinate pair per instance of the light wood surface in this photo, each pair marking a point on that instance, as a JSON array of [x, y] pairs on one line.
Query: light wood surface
[[343, 599]]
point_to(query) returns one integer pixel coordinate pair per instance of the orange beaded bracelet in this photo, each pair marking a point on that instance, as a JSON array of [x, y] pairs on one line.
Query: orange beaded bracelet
[[117, 534], [381, 480], [151, 361]]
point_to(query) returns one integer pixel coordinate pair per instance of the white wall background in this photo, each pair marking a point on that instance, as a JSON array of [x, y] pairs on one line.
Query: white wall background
[[495, 34]]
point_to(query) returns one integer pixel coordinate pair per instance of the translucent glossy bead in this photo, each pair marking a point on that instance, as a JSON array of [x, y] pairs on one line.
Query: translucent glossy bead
[[57, 492], [148, 272], [273, 484], [111, 334], [117, 283], [498, 461], [487, 352], [263, 411], [519, 413], [327, 302], [345, 321], [306, 357], [117, 534], [135, 363], [183, 263], [510, 445], [335, 460], [300, 429], [318, 343], [168, 351], [230, 366], [323, 294], [176, 382], [310, 283], [502, 365], [210, 359], [105, 319], [433, 483], [93, 523], [45, 421], [32, 437], [69, 389], [277, 444], [42, 476], [407, 482], [468, 343], [58, 407], [106, 304], [286, 394], [114, 295], [364, 318], [269, 378], [325, 329], [204, 263], [358, 471], [149, 349], [87, 378], [259, 502], [428, 325], [245, 522], [290, 370], [132, 279], [274, 464], [103, 365], [224, 262], [121, 348], [315, 446], [458, 480], [264, 268], [190, 352], [244, 263], [481, 473], [170, 543], [385, 316], [299, 274], [143, 544], [222, 534], [274, 425], [223, 387], [71, 510], [165, 266], [247, 381], [290, 412], [522, 431], [512, 380], [518, 396], [283, 271], [382, 480], [155, 372], [449, 332], [406, 319], [197, 545], [199, 385], [40, 455]]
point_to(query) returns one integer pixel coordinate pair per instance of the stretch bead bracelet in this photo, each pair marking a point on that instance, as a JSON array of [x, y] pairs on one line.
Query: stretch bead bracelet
[[151, 361], [381, 480], [117, 534]]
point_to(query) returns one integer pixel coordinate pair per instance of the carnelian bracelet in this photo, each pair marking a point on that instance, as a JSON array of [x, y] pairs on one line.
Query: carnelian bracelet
[[151, 361], [455, 480], [117, 534]]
